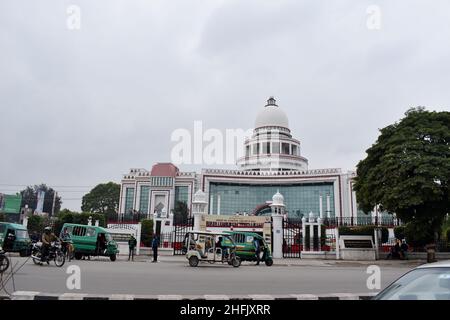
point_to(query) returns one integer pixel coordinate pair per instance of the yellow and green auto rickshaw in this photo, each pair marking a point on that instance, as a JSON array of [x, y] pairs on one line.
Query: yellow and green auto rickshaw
[[91, 241], [245, 248], [207, 246], [14, 238]]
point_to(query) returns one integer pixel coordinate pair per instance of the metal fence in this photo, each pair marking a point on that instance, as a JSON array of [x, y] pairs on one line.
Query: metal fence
[[361, 221], [119, 218]]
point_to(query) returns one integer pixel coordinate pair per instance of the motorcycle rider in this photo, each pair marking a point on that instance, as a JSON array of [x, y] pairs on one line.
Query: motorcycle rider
[[47, 238]]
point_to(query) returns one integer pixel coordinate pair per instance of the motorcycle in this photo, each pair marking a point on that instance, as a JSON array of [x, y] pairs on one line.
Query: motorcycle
[[54, 253], [4, 261]]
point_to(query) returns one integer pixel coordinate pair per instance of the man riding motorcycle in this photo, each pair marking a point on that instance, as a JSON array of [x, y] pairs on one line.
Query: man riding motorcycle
[[47, 238]]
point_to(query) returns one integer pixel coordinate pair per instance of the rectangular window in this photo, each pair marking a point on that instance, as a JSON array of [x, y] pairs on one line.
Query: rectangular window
[[256, 149], [144, 199], [266, 147], [294, 150], [247, 151], [181, 194], [275, 147], [285, 148], [129, 198]]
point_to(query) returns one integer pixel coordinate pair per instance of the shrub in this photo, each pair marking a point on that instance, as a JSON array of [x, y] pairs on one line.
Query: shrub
[[147, 232], [66, 216], [35, 224], [418, 236], [399, 232]]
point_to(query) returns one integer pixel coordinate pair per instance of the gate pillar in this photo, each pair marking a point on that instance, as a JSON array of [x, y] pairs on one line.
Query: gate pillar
[[277, 207], [277, 228]]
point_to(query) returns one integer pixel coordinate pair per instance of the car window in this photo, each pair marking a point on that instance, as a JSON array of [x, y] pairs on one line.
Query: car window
[[420, 284], [23, 234], [79, 231], [90, 232]]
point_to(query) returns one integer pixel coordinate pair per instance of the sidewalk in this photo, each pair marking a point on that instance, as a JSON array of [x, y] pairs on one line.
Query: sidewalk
[[291, 262]]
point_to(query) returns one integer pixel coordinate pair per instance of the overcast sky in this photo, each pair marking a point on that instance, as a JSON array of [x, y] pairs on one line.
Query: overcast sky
[[81, 107]]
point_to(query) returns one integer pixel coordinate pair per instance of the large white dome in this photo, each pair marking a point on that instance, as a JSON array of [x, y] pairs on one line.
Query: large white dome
[[271, 115]]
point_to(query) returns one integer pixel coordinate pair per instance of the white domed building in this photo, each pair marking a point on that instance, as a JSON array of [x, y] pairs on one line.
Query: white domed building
[[272, 147], [272, 169]]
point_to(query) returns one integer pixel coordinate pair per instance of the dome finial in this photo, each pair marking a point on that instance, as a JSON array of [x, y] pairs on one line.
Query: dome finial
[[271, 101]]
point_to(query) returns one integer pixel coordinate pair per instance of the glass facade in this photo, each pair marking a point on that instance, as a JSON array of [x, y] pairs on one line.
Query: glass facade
[[129, 198], [182, 194], [144, 199], [299, 199]]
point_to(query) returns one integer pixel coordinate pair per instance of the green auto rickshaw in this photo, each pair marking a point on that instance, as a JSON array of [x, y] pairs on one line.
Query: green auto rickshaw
[[14, 238], [245, 248], [91, 241]]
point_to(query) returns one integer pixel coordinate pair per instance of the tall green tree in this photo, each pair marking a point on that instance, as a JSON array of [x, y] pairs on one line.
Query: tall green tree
[[103, 198], [29, 197], [407, 170]]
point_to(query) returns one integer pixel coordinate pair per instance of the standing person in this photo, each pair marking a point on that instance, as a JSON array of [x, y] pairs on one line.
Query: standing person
[[67, 243], [257, 250], [132, 243], [404, 249], [155, 245]]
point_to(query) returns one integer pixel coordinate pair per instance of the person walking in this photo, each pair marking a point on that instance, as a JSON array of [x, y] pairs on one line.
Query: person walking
[[132, 243], [155, 245]]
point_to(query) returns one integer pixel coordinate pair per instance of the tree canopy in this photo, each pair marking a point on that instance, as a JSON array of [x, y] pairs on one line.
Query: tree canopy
[[407, 170], [29, 197], [103, 198]]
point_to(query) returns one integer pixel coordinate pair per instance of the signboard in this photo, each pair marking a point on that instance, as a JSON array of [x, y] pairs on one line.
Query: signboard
[[257, 224], [11, 203]]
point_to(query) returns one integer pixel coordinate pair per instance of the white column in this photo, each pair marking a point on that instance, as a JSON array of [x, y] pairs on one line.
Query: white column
[[277, 225], [328, 206], [319, 232], [197, 218], [320, 207], [304, 233], [211, 205], [336, 231], [218, 204], [138, 238]]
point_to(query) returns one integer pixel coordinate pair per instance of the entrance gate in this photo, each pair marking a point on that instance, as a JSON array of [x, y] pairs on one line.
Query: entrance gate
[[179, 231], [292, 238]]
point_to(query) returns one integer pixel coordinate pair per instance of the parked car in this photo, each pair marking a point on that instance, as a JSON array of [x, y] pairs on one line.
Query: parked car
[[91, 241], [426, 282], [14, 238]]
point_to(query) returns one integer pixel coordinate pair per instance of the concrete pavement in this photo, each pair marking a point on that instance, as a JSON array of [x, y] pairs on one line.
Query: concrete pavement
[[173, 276]]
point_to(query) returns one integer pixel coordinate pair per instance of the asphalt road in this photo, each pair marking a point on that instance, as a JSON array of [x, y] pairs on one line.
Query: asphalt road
[[176, 277]]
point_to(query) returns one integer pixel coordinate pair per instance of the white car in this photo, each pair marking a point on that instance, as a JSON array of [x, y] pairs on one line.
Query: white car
[[426, 282]]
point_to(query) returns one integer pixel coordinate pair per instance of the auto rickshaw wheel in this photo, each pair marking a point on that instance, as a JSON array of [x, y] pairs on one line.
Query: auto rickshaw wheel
[[269, 262], [236, 262], [193, 261], [113, 257], [4, 263], [78, 255]]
